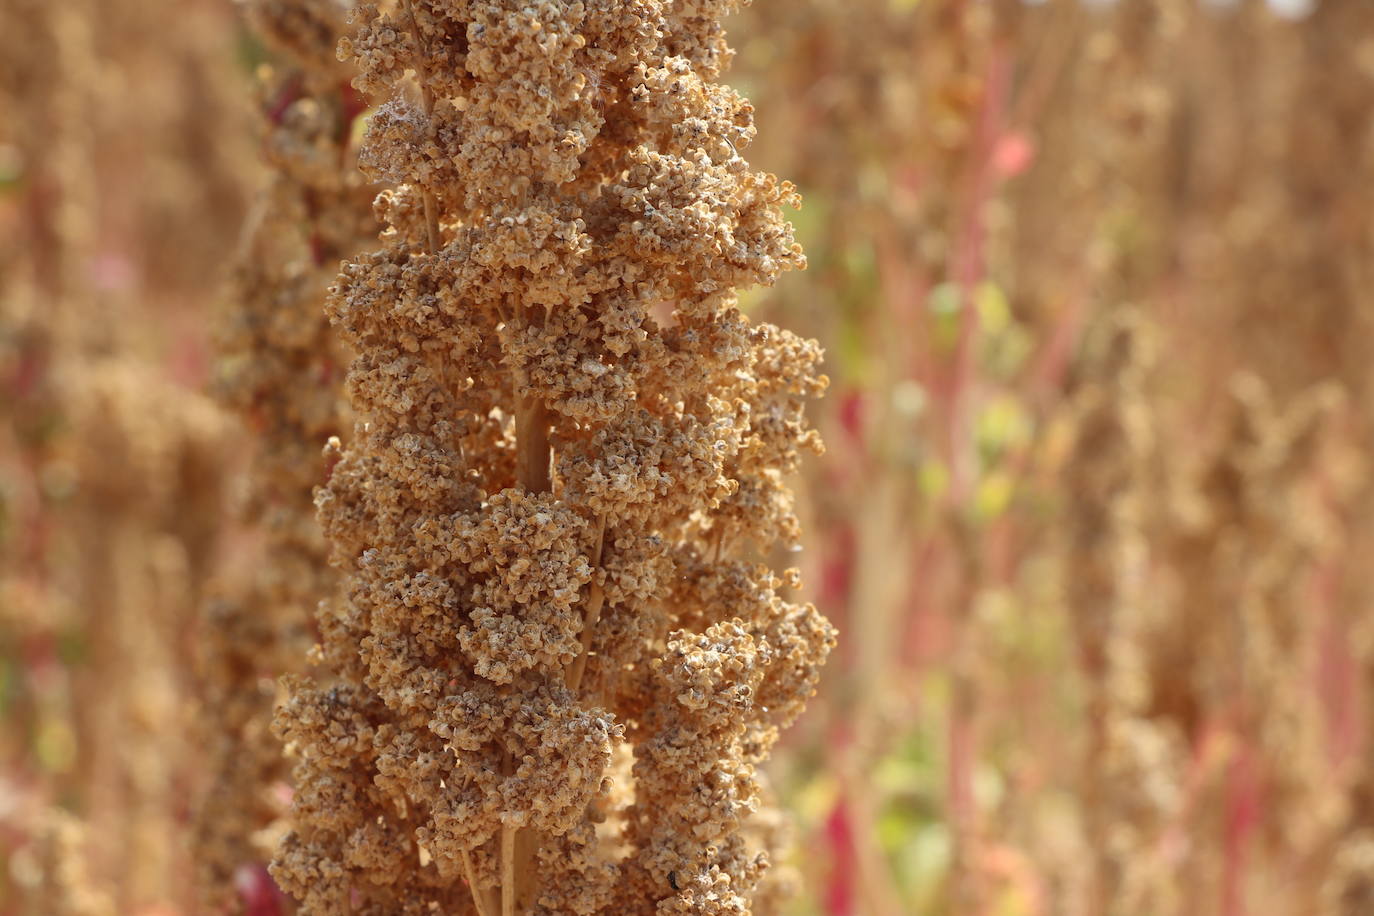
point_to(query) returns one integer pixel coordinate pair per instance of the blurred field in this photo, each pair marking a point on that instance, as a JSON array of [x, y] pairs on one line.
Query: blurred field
[[1094, 520]]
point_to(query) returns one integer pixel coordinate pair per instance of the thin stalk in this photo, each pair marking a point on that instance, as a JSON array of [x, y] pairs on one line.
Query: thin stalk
[[717, 542], [422, 76], [534, 471], [596, 596], [509, 891], [484, 905], [532, 446]]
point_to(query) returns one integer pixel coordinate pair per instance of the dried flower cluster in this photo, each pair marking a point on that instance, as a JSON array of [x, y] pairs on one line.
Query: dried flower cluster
[[1129, 779], [281, 370], [570, 445]]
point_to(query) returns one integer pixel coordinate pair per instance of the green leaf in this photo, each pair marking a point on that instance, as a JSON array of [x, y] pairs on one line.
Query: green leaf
[[993, 496], [994, 310]]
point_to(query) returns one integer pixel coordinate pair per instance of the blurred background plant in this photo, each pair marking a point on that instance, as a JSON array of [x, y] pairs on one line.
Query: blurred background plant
[[1092, 281]]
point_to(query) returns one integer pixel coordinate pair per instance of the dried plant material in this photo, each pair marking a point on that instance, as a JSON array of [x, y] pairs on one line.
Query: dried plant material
[[113, 483], [281, 369], [569, 440], [1130, 782], [57, 868], [144, 517], [1094, 277]]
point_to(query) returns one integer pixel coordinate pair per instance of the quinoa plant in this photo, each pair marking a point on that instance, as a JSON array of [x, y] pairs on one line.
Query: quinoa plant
[[558, 657], [281, 369]]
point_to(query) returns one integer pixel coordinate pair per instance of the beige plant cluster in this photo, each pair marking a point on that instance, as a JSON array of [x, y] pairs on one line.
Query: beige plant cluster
[[1129, 777], [281, 369], [558, 657]]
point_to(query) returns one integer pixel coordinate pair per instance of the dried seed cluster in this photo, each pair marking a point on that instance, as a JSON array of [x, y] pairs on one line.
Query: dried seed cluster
[[570, 454], [281, 369]]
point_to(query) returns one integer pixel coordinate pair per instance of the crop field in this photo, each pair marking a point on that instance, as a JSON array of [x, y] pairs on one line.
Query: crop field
[[687, 458]]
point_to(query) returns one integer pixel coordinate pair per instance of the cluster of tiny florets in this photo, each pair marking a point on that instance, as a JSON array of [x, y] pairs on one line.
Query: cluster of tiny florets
[[281, 369], [569, 443]]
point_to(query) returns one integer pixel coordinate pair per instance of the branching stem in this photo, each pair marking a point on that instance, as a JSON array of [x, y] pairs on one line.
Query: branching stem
[[532, 444], [534, 471], [509, 883], [427, 95], [596, 596], [479, 896]]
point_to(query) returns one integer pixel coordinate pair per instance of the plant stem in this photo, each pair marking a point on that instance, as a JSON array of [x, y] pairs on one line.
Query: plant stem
[[596, 596], [509, 879], [422, 75], [484, 906], [533, 469], [532, 445]]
